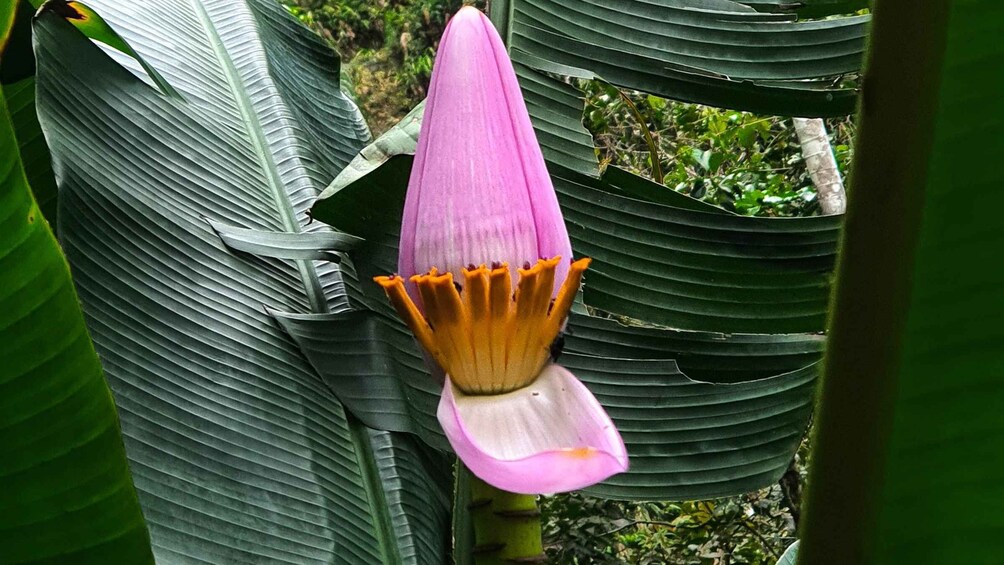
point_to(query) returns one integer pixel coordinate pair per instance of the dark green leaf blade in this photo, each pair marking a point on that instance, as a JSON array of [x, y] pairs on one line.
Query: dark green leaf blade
[[734, 44], [67, 495], [17, 73], [16, 60], [320, 246], [415, 483], [34, 152], [907, 463], [717, 53], [372, 364], [690, 440], [703, 356], [695, 270]]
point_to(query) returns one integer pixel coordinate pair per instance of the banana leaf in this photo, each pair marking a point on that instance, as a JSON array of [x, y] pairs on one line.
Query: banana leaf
[[239, 451], [67, 495], [907, 462]]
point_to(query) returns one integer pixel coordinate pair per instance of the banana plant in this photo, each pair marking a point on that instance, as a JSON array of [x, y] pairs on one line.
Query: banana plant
[[273, 407]]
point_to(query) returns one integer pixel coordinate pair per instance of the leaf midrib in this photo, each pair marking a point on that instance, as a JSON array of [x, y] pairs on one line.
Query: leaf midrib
[[311, 281], [383, 526]]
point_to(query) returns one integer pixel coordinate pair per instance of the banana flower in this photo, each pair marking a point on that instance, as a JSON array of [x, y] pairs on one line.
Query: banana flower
[[486, 279]]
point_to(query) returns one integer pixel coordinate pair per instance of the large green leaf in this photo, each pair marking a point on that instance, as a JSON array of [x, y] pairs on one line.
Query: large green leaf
[[372, 364], [691, 440], [696, 270], [556, 108], [239, 451], [20, 98], [67, 496], [17, 73], [734, 44], [721, 53], [907, 465]]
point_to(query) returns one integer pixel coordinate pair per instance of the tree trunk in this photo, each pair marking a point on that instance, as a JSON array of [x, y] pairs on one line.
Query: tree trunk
[[821, 165]]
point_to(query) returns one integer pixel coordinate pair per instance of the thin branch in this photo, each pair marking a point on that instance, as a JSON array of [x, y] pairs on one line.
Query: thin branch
[[763, 540]]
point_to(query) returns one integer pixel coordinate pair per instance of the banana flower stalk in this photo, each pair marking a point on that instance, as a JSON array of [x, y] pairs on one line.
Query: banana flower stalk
[[486, 279]]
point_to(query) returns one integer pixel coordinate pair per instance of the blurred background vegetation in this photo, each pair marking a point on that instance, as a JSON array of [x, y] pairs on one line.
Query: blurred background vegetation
[[387, 47], [745, 163]]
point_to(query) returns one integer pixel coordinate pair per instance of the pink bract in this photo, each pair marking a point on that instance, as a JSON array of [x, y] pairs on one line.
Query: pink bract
[[552, 436], [479, 190]]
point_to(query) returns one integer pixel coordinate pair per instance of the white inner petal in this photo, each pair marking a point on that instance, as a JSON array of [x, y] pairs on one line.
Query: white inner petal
[[548, 415]]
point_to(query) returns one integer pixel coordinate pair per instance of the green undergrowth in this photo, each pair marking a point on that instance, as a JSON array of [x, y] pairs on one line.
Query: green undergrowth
[[745, 163]]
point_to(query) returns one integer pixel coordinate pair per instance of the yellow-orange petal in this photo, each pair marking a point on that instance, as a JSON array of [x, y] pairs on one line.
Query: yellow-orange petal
[[487, 338]]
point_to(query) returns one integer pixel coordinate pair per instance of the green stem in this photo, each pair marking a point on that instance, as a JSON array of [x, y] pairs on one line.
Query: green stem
[[653, 149], [506, 525]]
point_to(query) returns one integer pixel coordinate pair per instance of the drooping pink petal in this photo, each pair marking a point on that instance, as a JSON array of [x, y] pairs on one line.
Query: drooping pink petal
[[479, 191], [551, 436]]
